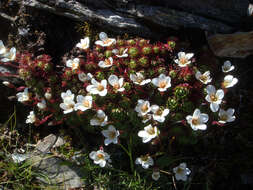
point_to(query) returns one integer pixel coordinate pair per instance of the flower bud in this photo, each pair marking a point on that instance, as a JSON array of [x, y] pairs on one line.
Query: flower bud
[[146, 50], [143, 61], [108, 53], [173, 74], [100, 75], [48, 95], [133, 52], [131, 42], [156, 49], [181, 92], [132, 64], [120, 42], [172, 103]]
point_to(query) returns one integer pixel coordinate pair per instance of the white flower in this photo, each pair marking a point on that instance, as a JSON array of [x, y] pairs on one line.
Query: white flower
[[104, 40], [138, 78], [31, 118], [204, 78], [148, 133], [143, 107], [227, 67], [100, 119], [6, 83], [85, 77], [226, 116], [183, 59], [83, 102], [159, 114], [100, 157], [74, 64], [9, 56], [155, 175], [124, 53], [214, 97], [68, 102], [116, 83], [2, 48], [97, 87], [23, 96], [106, 63], [229, 81], [162, 82], [48, 95], [145, 161], [84, 44], [111, 135], [181, 172], [197, 120], [42, 105]]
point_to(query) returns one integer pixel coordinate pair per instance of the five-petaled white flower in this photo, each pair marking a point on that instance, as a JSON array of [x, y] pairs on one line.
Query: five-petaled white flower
[[226, 116], [148, 133], [83, 102], [9, 56], [162, 82], [68, 102], [74, 64], [124, 53], [145, 161], [100, 157], [106, 63], [2, 48], [143, 107], [158, 113], [229, 81], [104, 40], [100, 119], [181, 172], [111, 135], [156, 175], [84, 77], [214, 97], [84, 43], [197, 120], [183, 59], [42, 105], [31, 118], [139, 79], [204, 78], [116, 83], [97, 87], [23, 96], [227, 67]]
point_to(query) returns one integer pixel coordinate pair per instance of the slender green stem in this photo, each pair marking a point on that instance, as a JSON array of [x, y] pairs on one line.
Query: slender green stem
[[130, 154], [124, 149]]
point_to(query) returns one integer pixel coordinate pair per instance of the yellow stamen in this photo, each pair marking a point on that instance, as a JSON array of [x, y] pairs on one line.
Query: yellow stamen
[[213, 98], [101, 156], [151, 131], [162, 84], [195, 121], [86, 103], [100, 87], [144, 108]]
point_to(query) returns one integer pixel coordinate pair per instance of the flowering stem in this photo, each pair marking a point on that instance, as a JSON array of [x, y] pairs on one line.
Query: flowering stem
[[168, 173], [130, 154]]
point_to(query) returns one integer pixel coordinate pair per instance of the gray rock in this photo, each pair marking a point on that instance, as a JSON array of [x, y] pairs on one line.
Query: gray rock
[[237, 45]]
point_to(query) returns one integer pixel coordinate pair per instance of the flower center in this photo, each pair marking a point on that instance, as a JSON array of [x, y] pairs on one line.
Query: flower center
[[107, 62], [116, 86], [100, 156], [183, 60], [112, 134], [151, 131], [180, 170], [86, 103], [203, 78], [159, 112], [162, 84], [101, 119], [144, 158], [84, 45], [100, 87], [213, 98], [195, 121], [226, 83], [139, 79], [144, 108], [107, 41], [70, 106], [224, 117]]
